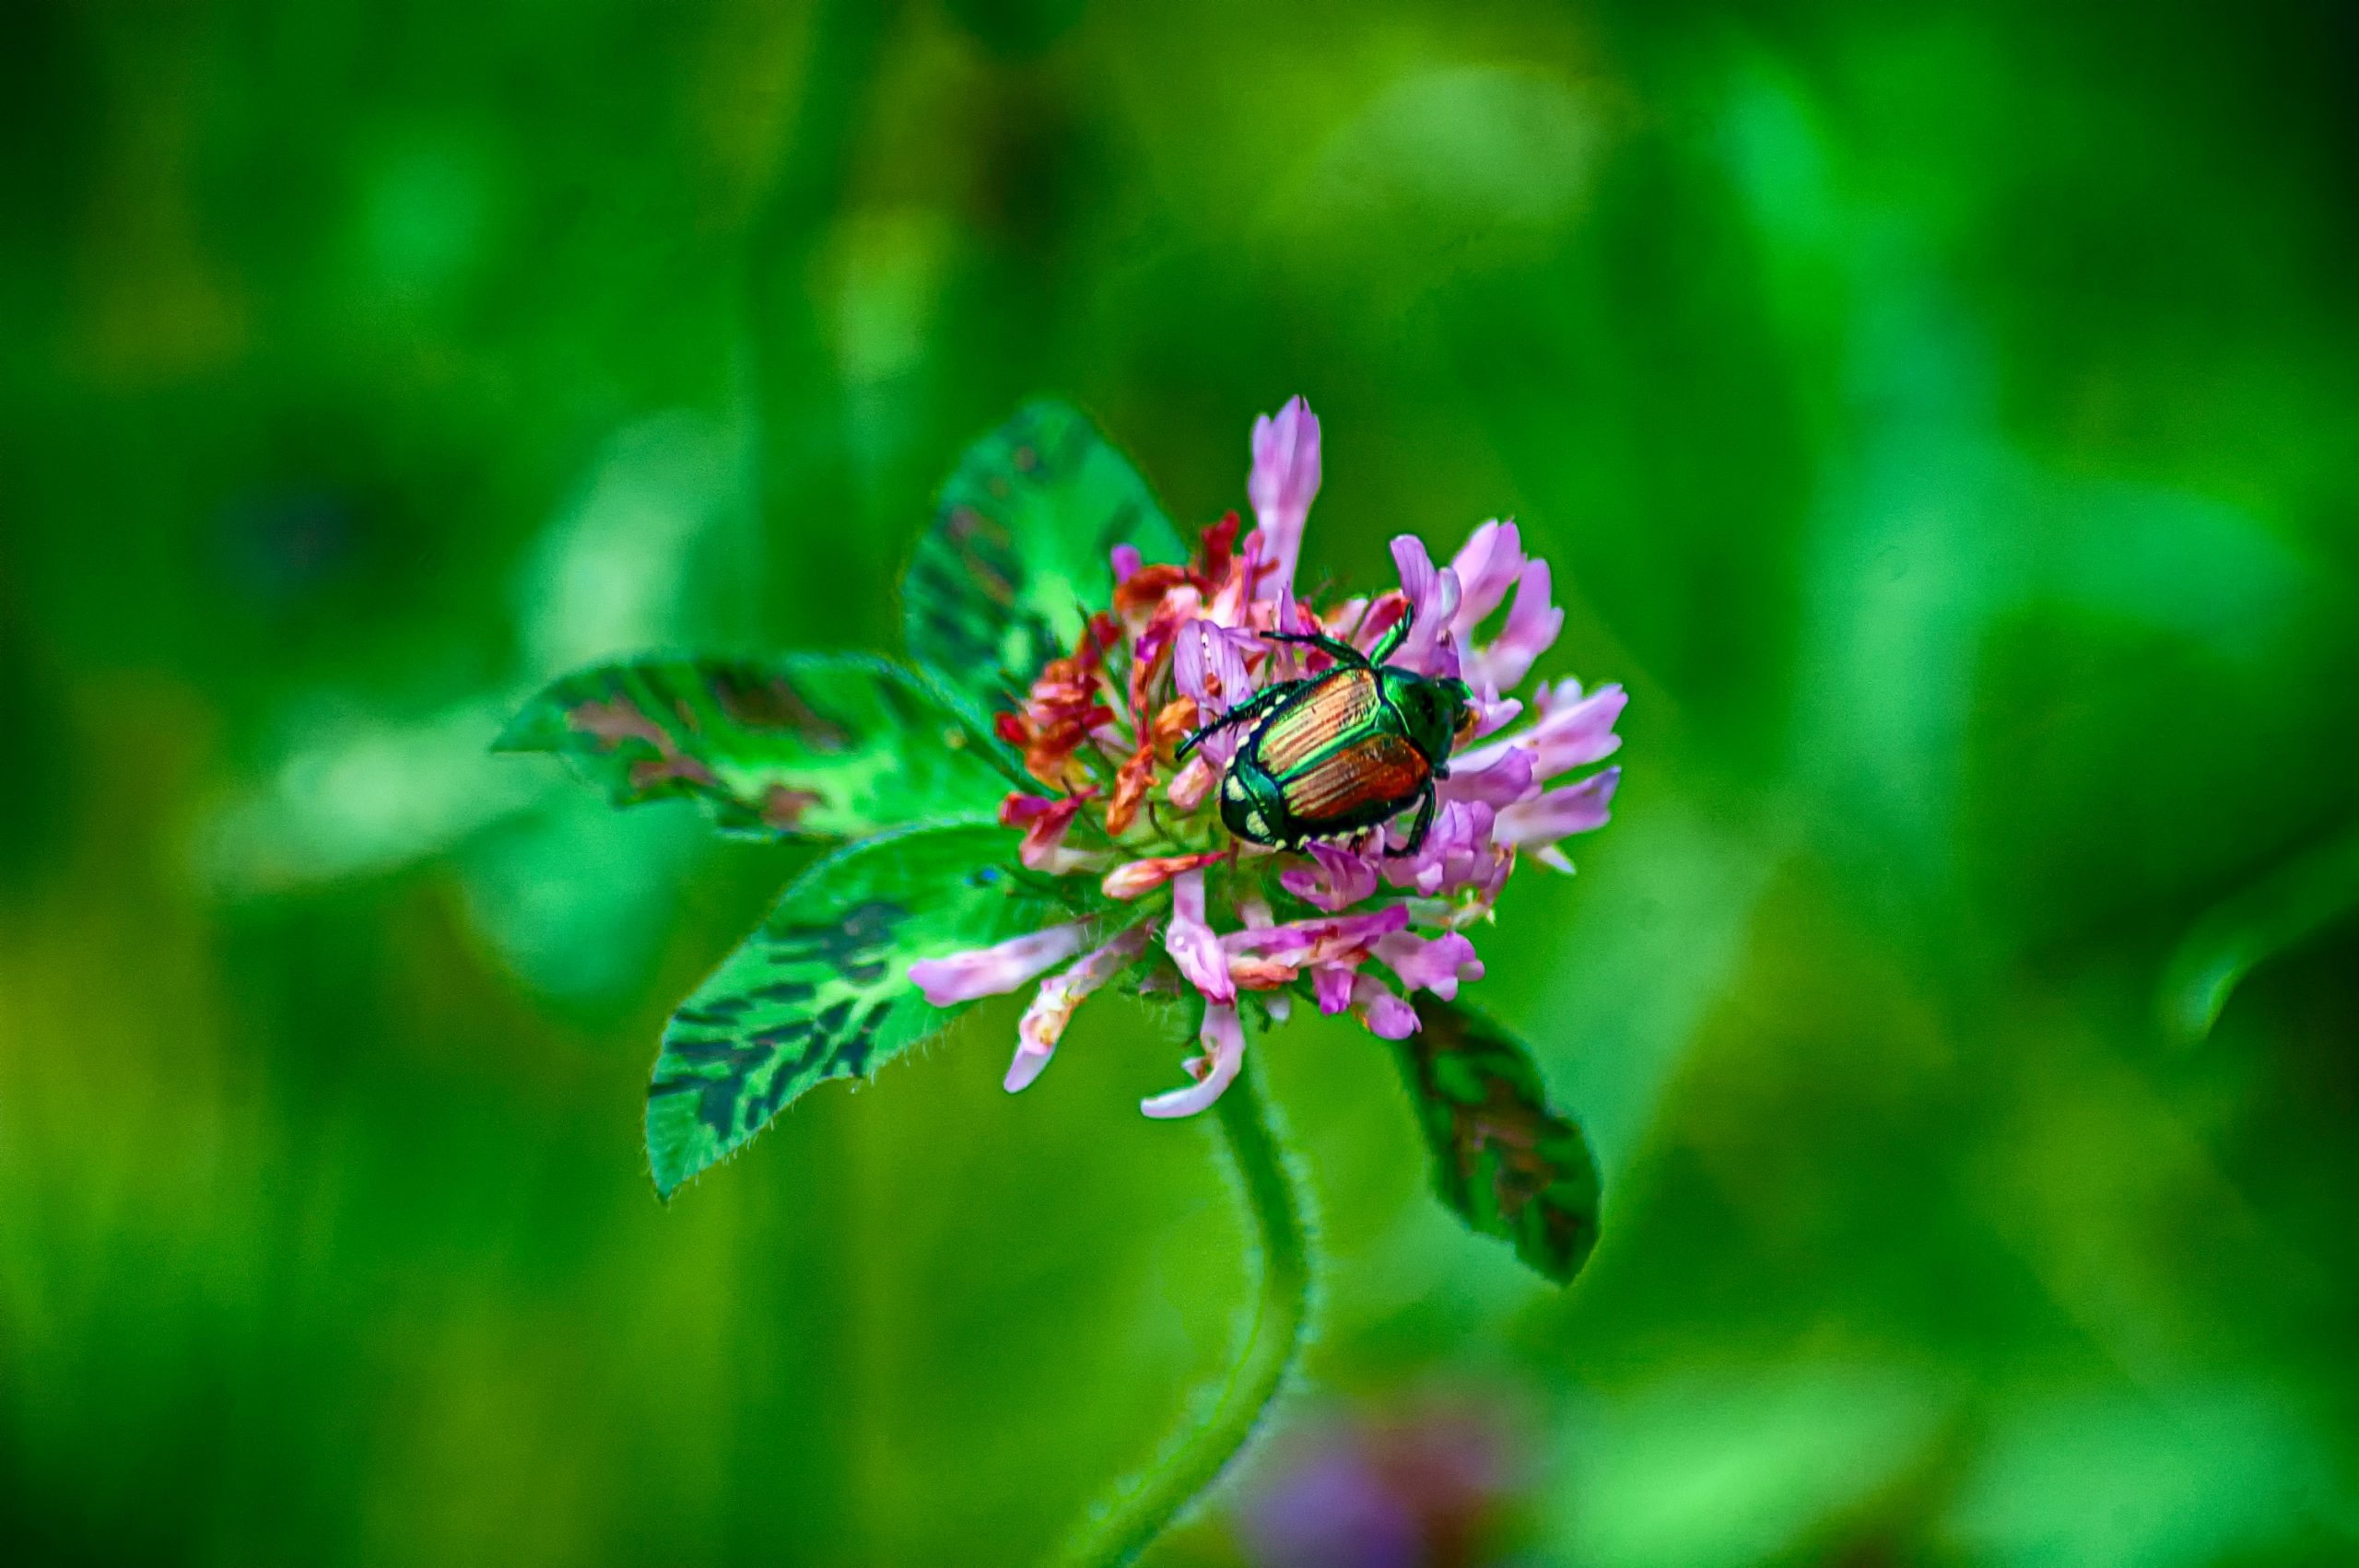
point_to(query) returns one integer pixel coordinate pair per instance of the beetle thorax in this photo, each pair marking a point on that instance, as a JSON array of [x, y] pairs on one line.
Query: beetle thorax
[[1432, 710]]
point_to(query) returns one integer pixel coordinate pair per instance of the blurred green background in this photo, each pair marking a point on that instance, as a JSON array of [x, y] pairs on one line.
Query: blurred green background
[[1942, 419]]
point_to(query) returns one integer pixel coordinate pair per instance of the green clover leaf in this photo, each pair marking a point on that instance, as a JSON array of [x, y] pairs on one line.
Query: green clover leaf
[[1507, 1166], [813, 745], [822, 989], [1020, 543]]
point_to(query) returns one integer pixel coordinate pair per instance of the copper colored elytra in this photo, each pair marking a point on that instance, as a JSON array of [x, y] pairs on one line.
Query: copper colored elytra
[[1343, 751]]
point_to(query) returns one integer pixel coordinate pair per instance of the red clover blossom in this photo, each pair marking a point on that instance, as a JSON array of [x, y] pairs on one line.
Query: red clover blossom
[[1351, 924]]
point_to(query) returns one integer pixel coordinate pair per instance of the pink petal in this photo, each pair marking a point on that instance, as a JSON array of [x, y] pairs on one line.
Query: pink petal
[[1500, 780], [1419, 580], [997, 970], [1530, 631], [1458, 854], [1386, 1015], [1044, 1021], [1191, 944], [1492, 712], [1319, 938], [1136, 879], [1224, 1042], [1573, 730], [1487, 567], [1020, 808], [1284, 480], [1434, 597], [1576, 808], [1437, 966], [1192, 783], [1048, 821], [1232, 602], [1331, 985], [1337, 880], [1126, 561], [1208, 664], [1578, 733], [1458, 827]]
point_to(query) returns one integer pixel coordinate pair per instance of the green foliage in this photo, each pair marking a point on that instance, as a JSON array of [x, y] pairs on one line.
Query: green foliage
[[2279, 912], [1889, 387], [822, 989], [820, 745], [1018, 552], [1507, 1165]]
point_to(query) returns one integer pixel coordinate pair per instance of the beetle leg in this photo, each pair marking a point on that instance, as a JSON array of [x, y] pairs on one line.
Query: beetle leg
[[1394, 635], [1340, 652], [1244, 712], [1423, 825]]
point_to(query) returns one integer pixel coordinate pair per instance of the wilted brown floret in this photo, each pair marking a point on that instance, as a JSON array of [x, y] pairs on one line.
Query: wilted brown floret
[[1063, 706], [1144, 589], [1214, 554]]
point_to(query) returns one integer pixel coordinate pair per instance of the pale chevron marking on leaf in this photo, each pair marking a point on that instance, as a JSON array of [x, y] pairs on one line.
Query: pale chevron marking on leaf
[[815, 746]]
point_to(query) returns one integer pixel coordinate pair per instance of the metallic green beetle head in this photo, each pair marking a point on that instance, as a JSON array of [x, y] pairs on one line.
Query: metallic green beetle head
[[1436, 713]]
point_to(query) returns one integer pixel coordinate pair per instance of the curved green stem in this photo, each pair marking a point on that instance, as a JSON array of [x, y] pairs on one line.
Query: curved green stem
[[1142, 1508]]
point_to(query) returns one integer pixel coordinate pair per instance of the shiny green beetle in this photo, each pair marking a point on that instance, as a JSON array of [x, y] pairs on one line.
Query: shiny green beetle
[[1342, 751]]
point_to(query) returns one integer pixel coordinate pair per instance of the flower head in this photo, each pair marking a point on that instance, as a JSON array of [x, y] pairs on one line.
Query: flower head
[[1132, 733]]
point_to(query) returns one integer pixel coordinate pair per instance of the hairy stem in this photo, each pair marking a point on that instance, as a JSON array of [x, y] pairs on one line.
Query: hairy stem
[[1141, 1508]]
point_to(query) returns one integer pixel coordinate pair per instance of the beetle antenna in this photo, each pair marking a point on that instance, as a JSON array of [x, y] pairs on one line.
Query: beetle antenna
[[1340, 651]]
